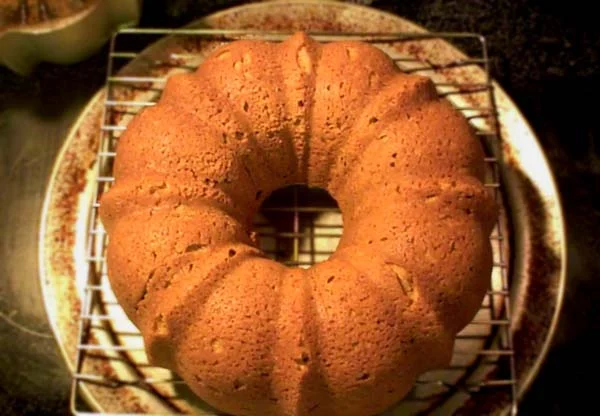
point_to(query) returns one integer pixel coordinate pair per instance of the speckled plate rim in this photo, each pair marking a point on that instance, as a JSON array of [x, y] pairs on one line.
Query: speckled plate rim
[[47, 294], [538, 172]]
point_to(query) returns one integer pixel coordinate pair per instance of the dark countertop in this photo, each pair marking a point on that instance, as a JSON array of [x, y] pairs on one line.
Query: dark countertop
[[546, 56]]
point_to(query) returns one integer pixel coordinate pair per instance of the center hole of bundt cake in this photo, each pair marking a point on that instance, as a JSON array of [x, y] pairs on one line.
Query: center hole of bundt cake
[[299, 226]]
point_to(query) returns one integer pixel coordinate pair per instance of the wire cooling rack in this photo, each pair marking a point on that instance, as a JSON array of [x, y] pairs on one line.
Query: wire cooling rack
[[297, 226]]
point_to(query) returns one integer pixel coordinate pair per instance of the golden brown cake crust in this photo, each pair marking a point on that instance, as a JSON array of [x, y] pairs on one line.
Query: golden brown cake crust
[[349, 335]]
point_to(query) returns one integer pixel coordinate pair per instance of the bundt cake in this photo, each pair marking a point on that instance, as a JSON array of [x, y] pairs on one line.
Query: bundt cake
[[347, 336]]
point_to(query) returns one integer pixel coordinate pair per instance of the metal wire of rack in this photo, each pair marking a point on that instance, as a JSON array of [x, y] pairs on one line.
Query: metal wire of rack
[[297, 226]]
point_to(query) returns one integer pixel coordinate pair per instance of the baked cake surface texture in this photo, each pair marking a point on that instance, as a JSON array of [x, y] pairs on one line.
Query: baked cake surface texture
[[347, 336]]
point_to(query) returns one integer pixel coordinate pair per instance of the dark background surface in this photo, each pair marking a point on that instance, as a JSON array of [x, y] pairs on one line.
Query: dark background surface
[[545, 54]]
